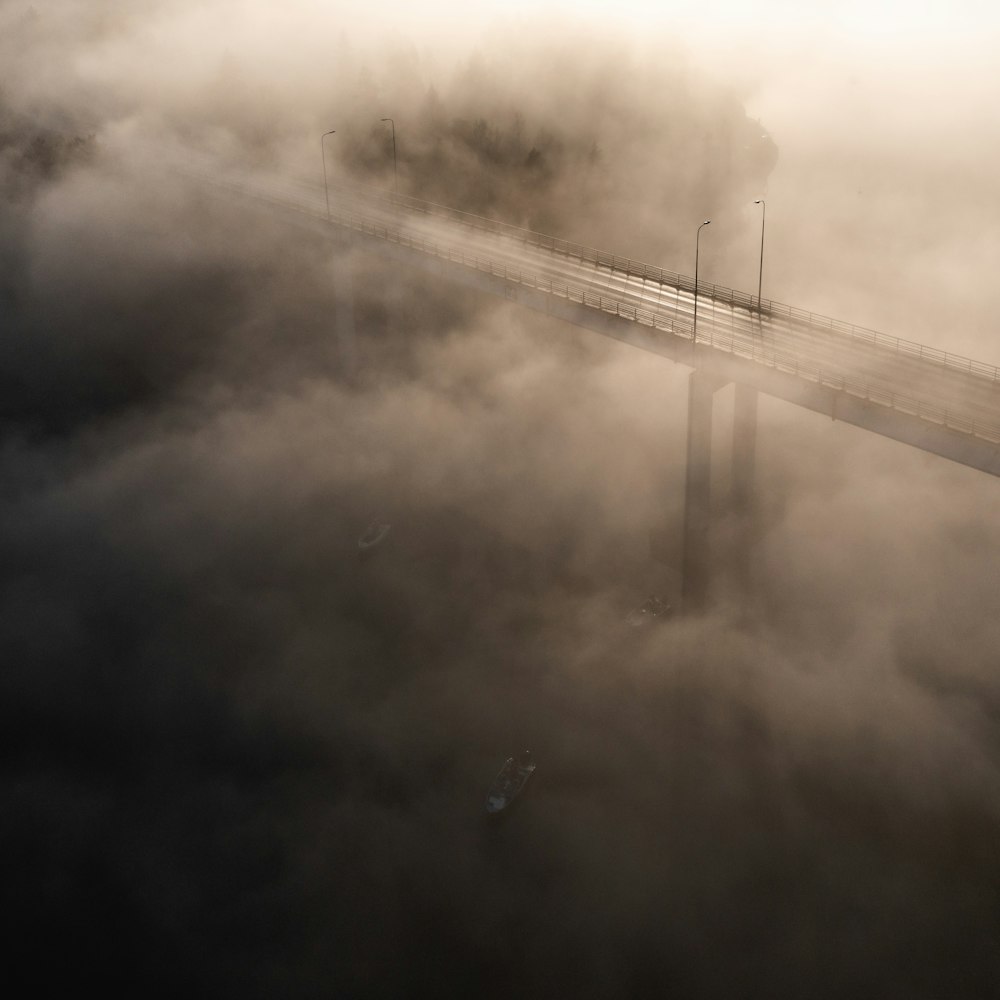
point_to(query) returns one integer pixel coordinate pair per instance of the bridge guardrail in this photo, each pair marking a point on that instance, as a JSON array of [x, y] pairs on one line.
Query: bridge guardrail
[[782, 361], [719, 293], [778, 360]]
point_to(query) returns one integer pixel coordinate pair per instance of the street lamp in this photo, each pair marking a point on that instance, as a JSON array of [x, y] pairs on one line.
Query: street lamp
[[326, 188], [395, 176], [697, 241], [760, 275]]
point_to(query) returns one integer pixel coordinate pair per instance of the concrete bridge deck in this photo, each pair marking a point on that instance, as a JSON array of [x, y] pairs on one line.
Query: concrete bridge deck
[[919, 395]]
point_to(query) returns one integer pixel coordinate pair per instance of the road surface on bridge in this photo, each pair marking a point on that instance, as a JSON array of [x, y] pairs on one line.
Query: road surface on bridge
[[931, 385]]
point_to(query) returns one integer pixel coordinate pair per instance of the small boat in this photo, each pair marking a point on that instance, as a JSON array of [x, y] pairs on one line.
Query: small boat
[[374, 535], [510, 782], [653, 609]]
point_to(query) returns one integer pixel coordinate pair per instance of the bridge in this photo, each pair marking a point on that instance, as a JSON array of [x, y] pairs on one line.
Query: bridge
[[928, 398]]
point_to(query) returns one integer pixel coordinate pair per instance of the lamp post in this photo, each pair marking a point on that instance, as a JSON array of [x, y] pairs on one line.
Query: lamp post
[[395, 175], [326, 187], [697, 241], [760, 275]]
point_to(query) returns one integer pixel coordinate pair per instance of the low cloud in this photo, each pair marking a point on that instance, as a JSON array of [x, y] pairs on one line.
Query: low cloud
[[244, 758]]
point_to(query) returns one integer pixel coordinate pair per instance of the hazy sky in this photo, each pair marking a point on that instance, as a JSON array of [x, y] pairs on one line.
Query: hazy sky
[[882, 18]]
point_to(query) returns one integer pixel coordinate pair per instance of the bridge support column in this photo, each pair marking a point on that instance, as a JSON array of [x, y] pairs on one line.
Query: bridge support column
[[343, 318], [697, 492], [695, 564], [744, 462]]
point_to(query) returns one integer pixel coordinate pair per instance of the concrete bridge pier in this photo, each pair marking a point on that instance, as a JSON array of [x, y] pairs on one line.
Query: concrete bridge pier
[[695, 562], [343, 318], [743, 494]]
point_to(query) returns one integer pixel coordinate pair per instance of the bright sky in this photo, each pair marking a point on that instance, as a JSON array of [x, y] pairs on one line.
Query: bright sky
[[876, 19], [861, 16], [936, 55]]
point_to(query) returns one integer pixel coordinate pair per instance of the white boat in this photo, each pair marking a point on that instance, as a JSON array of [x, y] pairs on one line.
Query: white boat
[[374, 535], [651, 610], [510, 782]]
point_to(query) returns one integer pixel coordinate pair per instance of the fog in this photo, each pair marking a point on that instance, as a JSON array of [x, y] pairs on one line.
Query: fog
[[243, 759]]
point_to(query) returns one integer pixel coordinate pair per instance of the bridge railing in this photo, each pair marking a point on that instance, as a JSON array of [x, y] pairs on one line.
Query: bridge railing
[[791, 364], [712, 335], [650, 272], [571, 291], [756, 351]]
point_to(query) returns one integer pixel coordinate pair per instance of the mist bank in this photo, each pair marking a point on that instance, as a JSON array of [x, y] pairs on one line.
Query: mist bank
[[241, 757]]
